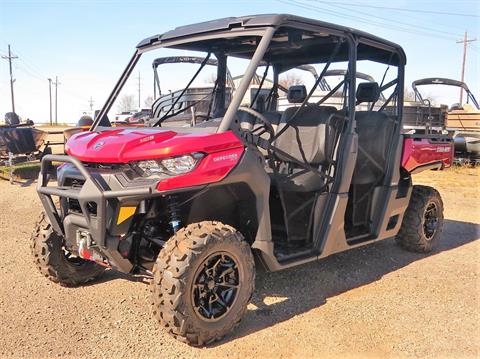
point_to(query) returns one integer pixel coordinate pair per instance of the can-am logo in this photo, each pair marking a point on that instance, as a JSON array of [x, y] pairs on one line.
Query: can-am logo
[[443, 149], [98, 145], [231, 157]]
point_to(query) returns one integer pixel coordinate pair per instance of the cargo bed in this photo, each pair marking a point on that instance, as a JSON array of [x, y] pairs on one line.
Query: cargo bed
[[423, 152]]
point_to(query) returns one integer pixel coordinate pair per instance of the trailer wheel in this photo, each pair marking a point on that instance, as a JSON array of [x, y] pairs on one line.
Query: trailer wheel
[[203, 280], [55, 262], [423, 221]]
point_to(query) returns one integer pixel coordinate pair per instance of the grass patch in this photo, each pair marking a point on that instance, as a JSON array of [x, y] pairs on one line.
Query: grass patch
[[26, 170]]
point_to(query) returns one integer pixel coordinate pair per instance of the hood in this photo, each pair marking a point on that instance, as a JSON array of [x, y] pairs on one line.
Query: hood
[[133, 144]]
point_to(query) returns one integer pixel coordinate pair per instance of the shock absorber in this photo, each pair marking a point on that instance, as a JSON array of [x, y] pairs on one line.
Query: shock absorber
[[174, 211]]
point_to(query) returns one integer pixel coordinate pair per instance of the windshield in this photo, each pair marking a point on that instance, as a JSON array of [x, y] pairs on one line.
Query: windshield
[[176, 93], [178, 85]]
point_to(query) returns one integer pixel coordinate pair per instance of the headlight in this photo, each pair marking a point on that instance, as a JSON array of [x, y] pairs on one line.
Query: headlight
[[149, 168], [179, 165], [168, 166]]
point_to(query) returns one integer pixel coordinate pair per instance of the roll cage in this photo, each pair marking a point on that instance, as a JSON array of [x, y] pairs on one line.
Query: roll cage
[[443, 81], [251, 37]]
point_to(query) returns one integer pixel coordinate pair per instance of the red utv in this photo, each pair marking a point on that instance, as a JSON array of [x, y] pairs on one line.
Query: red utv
[[193, 206]]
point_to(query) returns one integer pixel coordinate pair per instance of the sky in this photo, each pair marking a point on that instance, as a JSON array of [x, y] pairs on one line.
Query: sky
[[87, 43]]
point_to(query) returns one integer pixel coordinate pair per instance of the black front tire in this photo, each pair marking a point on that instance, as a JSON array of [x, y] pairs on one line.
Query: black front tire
[[423, 221], [54, 262], [182, 264]]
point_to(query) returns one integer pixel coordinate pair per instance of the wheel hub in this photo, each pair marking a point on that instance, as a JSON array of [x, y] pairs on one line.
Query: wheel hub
[[430, 221], [215, 286], [211, 284]]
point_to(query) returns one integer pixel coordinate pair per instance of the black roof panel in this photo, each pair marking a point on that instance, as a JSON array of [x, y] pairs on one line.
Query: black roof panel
[[259, 21]]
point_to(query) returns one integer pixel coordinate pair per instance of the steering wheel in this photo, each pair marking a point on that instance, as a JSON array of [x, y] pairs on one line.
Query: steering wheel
[[266, 124]]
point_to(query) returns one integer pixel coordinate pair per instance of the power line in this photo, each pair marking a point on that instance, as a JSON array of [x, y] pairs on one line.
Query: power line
[[362, 19], [409, 29], [435, 12], [11, 57], [410, 25], [31, 65], [32, 69], [67, 92], [29, 73]]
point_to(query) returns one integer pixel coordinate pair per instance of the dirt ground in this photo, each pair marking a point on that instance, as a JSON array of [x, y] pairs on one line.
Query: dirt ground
[[375, 301]]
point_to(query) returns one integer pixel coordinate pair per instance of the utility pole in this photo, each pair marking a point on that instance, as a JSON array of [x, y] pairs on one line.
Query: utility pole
[[56, 83], [91, 102], [465, 41], [50, 93], [10, 58], [139, 85]]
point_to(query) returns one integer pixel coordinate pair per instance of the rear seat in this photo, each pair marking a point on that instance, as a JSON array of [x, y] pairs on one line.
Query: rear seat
[[308, 138], [249, 122]]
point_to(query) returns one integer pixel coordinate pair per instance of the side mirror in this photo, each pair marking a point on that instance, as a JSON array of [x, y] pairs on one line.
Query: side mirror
[[368, 92]]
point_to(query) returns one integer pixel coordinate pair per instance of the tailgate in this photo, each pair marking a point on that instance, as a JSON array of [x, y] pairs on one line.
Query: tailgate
[[422, 152]]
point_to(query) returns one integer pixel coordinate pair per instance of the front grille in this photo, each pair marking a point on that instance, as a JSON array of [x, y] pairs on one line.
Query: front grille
[[74, 182], [73, 205], [105, 166], [92, 208]]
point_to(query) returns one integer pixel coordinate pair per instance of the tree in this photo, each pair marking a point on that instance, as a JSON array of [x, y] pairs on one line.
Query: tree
[[408, 95], [126, 103], [291, 79], [148, 101], [210, 78]]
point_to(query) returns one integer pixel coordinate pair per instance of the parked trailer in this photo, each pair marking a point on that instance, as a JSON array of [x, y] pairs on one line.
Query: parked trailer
[[462, 121]]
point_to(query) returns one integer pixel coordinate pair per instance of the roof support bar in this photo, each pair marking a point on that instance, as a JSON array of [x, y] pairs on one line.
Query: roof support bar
[[101, 118], [247, 78]]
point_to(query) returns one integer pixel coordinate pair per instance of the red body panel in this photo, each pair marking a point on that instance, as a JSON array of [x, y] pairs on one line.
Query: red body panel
[[123, 145], [212, 168], [418, 152]]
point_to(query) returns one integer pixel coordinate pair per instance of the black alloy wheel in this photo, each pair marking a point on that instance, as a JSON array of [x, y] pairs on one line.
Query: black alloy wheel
[[215, 286], [430, 221]]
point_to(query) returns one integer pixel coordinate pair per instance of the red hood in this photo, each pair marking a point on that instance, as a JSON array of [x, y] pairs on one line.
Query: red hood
[[131, 144]]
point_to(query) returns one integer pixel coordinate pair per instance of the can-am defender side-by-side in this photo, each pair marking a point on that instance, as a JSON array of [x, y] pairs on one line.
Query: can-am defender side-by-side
[[194, 206]]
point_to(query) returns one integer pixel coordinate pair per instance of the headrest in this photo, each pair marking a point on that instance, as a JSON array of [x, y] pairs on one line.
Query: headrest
[[368, 92], [297, 93]]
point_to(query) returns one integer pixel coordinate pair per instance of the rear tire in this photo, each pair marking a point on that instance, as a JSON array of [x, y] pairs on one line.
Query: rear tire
[[423, 221], [54, 262], [203, 281]]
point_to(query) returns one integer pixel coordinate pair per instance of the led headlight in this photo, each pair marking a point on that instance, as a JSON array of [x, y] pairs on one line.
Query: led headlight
[[168, 166], [149, 168], [179, 165]]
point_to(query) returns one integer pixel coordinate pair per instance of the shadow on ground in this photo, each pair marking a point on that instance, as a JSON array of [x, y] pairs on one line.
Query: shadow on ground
[[308, 286]]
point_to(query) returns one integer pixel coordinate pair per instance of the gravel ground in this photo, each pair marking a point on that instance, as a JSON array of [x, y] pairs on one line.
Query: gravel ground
[[375, 301]]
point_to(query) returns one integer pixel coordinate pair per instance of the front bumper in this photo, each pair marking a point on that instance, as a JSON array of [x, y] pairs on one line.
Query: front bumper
[[103, 191]]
